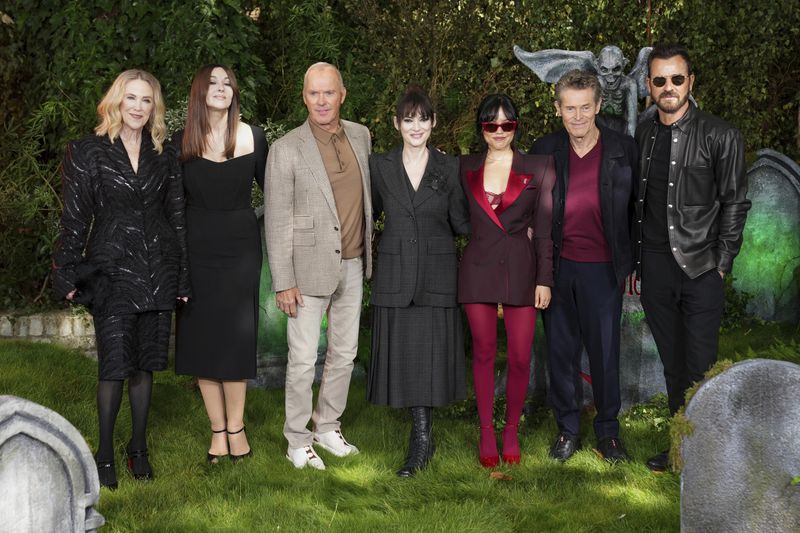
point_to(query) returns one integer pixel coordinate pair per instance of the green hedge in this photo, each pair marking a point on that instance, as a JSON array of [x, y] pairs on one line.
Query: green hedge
[[57, 58]]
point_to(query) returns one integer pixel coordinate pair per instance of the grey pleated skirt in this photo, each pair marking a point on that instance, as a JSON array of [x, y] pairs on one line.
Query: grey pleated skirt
[[417, 356]]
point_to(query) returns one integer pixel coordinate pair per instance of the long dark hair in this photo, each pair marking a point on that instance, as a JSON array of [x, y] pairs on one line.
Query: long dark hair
[[195, 134], [487, 112]]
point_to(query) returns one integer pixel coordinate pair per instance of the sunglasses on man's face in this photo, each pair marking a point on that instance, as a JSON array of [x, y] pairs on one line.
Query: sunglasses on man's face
[[677, 80], [491, 127]]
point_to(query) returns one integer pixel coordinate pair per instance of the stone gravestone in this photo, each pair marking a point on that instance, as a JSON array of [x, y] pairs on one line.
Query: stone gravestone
[[744, 452], [48, 477], [768, 266]]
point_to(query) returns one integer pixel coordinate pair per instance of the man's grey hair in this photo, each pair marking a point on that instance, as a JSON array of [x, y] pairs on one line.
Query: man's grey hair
[[323, 65], [578, 79]]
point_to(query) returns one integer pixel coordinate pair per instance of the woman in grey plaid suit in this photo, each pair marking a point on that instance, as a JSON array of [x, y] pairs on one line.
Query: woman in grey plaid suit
[[417, 342]]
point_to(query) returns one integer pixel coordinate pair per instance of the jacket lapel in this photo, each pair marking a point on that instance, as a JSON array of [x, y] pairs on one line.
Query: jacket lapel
[[123, 167], [394, 176], [310, 153], [475, 181], [432, 179]]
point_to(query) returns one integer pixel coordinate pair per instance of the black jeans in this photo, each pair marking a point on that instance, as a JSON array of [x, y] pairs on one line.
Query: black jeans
[[684, 316]]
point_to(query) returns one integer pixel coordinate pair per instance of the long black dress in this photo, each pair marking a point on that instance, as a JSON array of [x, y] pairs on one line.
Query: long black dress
[[217, 328]]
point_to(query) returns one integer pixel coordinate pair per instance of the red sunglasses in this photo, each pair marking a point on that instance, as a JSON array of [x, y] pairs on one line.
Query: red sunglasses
[[491, 127]]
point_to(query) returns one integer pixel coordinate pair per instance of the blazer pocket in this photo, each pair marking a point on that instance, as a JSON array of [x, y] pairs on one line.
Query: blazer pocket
[[441, 246], [304, 239], [303, 222], [389, 268]]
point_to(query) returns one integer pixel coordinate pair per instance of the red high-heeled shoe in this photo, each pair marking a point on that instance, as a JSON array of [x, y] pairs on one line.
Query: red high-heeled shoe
[[511, 452], [488, 448]]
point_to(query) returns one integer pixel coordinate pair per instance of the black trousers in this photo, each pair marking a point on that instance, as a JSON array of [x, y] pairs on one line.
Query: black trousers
[[684, 316], [585, 311]]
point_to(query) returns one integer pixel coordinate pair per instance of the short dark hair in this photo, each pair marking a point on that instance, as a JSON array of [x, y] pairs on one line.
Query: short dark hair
[[578, 79], [487, 112], [666, 51], [414, 102]]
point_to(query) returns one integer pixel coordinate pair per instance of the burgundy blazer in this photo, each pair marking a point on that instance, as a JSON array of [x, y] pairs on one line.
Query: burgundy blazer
[[501, 264]]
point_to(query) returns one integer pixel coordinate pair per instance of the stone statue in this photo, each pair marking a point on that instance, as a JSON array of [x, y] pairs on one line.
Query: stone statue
[[621, 92]]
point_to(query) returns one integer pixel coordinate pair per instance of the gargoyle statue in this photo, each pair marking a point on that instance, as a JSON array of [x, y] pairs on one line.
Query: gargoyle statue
[[621, 92]]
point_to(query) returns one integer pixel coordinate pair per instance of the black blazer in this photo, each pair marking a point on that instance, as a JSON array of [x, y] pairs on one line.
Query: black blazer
[[618, 178], [501, 263], [128, 226], [416, 259]]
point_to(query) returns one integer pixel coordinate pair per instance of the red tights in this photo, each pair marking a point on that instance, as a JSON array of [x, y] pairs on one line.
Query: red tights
[[520, 323]]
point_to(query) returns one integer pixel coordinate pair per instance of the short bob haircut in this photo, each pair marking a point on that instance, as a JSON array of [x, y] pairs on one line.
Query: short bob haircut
[[111, 117], [488, 111], [578, 79], [667, 51], [197, 129], [414, 102]]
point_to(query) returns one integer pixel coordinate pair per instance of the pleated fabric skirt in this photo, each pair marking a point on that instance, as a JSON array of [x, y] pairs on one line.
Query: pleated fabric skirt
[[417, 356]]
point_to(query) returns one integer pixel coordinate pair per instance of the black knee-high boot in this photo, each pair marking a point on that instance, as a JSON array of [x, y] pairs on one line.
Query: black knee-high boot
[[420, 446]]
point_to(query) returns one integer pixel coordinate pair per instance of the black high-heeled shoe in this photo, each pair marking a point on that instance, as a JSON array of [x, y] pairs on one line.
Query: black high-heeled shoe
[[214, 459], [139, 465], [237, 458], [107, 474]]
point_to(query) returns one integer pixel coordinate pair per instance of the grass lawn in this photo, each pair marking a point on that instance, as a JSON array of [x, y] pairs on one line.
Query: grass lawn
[[361, 493]]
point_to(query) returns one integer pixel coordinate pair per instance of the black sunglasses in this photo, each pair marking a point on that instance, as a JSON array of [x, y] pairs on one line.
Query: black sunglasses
[[677, 80], [491, 127]]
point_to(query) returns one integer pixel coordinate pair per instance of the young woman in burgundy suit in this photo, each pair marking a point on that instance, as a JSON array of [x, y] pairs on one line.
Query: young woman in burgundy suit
[[508, 261]]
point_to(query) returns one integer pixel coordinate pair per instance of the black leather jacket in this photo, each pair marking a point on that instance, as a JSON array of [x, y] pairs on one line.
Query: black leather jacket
[[706, 193]]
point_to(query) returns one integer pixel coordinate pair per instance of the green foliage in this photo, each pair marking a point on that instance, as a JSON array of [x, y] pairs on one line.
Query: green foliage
[[29, 204], [458, 50]]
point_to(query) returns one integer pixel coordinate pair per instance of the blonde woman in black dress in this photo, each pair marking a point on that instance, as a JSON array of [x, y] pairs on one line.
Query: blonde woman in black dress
[[122, 253], [217, 328]]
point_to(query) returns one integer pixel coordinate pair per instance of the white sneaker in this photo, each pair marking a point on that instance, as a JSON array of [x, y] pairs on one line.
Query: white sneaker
[[333, 441], [300, 457]]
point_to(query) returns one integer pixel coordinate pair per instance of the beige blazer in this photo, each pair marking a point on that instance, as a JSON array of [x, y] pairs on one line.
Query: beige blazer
[[300, 217]]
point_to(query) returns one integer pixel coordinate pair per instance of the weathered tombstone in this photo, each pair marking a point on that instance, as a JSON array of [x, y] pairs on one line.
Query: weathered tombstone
[[740, 460], [768, 266], [48, 477]]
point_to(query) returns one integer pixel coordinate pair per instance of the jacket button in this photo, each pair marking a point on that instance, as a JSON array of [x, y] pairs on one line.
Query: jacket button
[[669, 205], [672, 162], [338, 251], [684, 266], [641, 199], [674, 249], [672, 227], [671, 184], [335, 228]]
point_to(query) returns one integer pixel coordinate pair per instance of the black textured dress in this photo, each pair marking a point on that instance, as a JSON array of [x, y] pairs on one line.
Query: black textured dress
[[217, 328], [122, 249]]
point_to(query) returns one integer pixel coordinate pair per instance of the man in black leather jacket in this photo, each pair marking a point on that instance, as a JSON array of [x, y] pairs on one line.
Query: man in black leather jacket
[[690, 213]]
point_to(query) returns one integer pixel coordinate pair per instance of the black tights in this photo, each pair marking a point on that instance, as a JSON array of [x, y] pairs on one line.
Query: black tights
[[109, 398]]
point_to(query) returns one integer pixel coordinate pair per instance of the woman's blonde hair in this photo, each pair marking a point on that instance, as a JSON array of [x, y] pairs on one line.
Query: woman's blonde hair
[[111, 117]]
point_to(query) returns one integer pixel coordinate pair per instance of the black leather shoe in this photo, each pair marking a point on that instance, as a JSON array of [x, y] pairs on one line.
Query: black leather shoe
[[611, 449], [138, 465], [420, 445], [659, 463], [107, 474], [565, 446]]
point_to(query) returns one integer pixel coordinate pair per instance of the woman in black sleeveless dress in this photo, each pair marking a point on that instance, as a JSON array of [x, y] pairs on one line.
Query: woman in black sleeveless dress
[[217, 328]]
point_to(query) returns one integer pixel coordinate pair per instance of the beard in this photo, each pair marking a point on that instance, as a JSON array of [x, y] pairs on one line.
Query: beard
[[671, 106]]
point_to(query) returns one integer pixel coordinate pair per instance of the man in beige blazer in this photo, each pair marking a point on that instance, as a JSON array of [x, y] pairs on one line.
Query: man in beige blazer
[[318, 217]]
